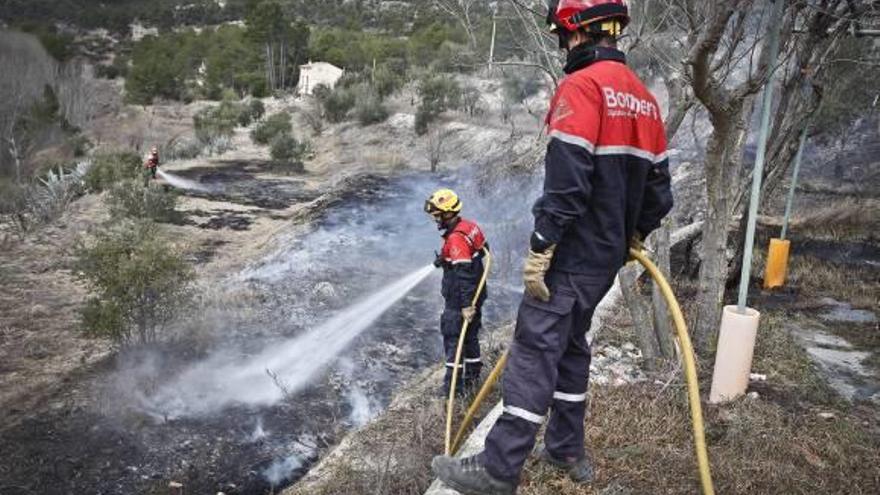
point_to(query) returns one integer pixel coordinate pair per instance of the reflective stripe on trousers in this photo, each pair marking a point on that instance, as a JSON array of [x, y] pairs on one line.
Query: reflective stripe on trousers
[[548, 370]]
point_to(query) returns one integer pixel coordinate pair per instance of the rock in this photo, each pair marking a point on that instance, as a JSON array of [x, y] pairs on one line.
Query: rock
[[752, 395], [324, 291], [827, 415], [757, 377]]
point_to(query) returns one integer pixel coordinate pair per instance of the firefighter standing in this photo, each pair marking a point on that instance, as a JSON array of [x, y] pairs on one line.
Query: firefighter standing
[[607, 186], [151, 166], [461, 259]]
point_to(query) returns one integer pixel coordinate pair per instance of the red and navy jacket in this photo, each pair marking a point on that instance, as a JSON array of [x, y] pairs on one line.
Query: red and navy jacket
[[607, 173], [462, 261]]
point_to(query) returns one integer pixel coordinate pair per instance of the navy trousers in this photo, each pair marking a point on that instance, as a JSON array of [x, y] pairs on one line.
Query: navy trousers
[[548, 369], [471, 362]]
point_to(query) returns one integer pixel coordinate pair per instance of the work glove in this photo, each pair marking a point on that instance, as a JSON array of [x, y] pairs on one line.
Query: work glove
[[438, 260], [534, 272], [468, 313], [635, 243]]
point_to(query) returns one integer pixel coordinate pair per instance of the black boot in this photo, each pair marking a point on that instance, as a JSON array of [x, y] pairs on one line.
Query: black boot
[[579, 470], [469, 477]]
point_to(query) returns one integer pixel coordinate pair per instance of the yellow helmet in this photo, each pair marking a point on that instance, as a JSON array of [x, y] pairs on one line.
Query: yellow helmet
[[443, 201]]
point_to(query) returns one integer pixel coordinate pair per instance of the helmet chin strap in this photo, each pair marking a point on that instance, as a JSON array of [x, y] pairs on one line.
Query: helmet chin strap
[[445, 222]]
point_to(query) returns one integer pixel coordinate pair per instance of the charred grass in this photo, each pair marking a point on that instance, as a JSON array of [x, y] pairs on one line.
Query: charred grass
[[392, 454], [641, 441]]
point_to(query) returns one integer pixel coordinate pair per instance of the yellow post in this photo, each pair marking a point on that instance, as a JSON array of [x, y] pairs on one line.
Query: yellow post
[[777, 263]]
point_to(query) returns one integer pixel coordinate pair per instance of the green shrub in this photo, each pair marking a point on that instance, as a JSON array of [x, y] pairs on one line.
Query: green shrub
[[253, 111], [424, 119], [519, 85], [369, 109], [138, 279], [275, 125], [437, 94], [132, 199], [216, 125], [387, 80], [110, 168], [289, 152], [181, 149], [337, 103]]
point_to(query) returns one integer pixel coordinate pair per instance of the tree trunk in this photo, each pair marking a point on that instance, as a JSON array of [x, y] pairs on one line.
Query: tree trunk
[[270, 68], [640, 312], [722, 165], [662, 326]]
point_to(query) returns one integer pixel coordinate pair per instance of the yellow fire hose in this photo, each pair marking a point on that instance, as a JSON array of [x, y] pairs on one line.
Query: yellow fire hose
[[690, 371], [464, 327]]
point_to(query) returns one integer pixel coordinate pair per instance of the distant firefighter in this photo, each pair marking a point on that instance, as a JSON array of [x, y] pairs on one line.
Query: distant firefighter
[[461, 259], [151, 166]]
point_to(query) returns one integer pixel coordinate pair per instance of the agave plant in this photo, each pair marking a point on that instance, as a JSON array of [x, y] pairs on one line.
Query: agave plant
[[49, 198]]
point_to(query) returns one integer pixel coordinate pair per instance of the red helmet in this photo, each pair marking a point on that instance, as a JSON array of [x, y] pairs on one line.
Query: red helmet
[[572, 15]]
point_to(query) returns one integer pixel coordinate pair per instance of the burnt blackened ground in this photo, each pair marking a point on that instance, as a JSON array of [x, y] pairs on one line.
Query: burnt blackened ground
[[91, 436], [238, 182]]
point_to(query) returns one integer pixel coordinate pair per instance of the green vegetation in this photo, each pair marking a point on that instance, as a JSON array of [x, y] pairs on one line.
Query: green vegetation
[[139, 280], [437, 94], [111, 167], [369, 108], [289, 153], [275, 125], [129, 198], [336, 103], [252, 112], [216, 124]]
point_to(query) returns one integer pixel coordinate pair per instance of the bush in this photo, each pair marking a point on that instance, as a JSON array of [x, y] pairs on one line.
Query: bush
[[181, 149], [424, 119], [387, 81], [287, 151], [255, 110], [110, 168], [275, 125], [215, 125], [369, 109], [139, 282], [437, 94], [519, 85], [337, 103], [131, 199]]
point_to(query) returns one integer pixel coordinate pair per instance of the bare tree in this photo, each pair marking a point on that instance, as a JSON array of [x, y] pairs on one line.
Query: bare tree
[[19, 89], [726, 68], [464, 12], [436, 147]]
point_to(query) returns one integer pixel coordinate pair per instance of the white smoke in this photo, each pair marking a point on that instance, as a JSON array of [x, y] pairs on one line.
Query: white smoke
[[259, 433], [282, 367], [282, 469], [181, 183], [362, 410]]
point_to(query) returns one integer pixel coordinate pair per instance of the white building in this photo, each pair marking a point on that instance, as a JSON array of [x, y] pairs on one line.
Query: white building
[[139, 31], [311, 75]]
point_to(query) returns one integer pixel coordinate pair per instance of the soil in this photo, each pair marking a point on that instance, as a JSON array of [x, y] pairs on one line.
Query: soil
[[71, 423]]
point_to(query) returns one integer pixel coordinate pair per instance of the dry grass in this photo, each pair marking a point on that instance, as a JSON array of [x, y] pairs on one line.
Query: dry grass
[[818, 278], [641, 440], [841, 219]]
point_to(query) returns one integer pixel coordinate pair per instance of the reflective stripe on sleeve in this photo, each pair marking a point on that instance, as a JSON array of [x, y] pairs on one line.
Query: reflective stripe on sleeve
[[572, 139]]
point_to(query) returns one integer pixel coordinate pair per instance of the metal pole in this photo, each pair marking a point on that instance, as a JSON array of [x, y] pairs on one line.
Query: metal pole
[[492, 47], [758, 173], [794, 181]]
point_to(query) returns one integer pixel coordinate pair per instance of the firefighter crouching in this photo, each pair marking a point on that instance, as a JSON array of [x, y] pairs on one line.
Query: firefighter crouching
[[461, 259]]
